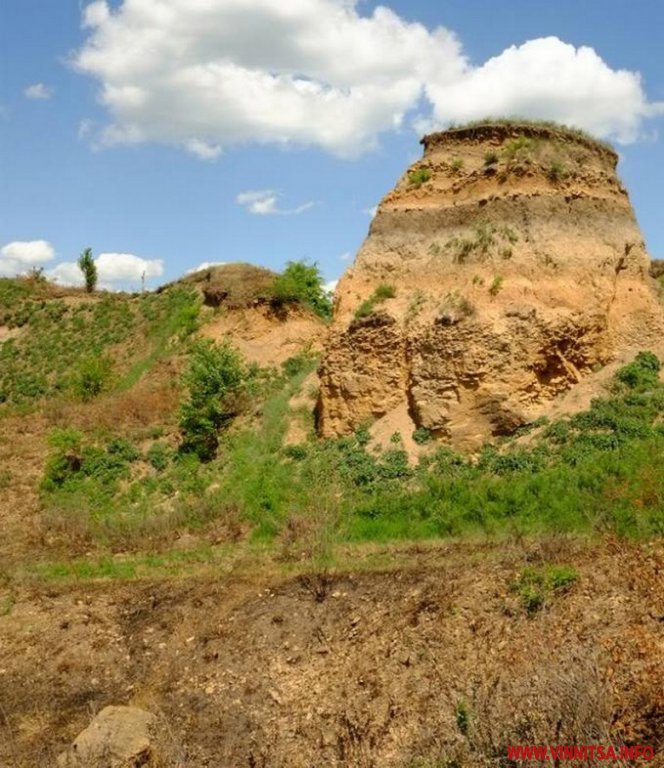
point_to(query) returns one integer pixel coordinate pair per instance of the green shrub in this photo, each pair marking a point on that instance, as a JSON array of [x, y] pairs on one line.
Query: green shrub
[[496, 285], [380, 294], [422, 436], [642, 373], [556, 172], [297, 364], [384, 291], [536, 585], [296, 452], [518, 148], [159, 456], [365, 309], [419, 176], [92, 377], [490, 158], [214, 380], [456, 307], [123, 448], [462, 717], [457, 164], [301, 282]]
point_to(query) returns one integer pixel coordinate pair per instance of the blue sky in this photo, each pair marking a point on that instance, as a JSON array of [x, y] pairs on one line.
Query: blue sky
[[308, 112]]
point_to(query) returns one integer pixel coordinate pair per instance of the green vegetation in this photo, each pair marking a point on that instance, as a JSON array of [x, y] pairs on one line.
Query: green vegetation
[[642, 374], [85, 347], [556, 172], [301, 282], [419, 176], [535, 586], [518, 149], [380, 294], [422, 436], [456, 307], [92, 376], [215, 379], [496, 285], [87, 265], [485, 240], [457, 164], [490, 158], [594, 472], [417, 301], [462, 717]]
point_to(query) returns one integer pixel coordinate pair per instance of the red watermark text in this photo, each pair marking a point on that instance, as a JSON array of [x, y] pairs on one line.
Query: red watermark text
[[579, 753]]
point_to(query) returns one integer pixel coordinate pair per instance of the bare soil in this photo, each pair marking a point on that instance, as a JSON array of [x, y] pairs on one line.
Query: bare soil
[[433, 662]]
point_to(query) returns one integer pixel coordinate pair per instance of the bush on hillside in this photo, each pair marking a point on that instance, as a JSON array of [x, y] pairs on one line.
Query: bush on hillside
[[642, 373], [92, 377], [214, 379], [303, 283]]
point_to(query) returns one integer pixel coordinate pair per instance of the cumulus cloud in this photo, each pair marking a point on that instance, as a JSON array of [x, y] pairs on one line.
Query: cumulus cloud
[[66, 273], [209, 74], [224, 72], [18, 257], [38, 91], [331, 286], [264, 202], [371, 211], [112, 268], [28, 252], [550, 79]]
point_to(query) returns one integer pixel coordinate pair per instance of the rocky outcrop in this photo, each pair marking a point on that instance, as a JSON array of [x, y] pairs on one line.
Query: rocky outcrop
[[505, 267]]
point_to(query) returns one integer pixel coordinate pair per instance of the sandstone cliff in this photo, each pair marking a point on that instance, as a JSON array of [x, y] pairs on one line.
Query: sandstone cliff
[[504, 268]]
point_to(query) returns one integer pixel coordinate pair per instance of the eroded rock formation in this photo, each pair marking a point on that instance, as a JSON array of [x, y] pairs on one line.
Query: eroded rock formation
[[517, 269]]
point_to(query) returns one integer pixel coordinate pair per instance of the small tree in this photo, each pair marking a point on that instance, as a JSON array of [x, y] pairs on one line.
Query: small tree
[[215, 377], [89, 269]]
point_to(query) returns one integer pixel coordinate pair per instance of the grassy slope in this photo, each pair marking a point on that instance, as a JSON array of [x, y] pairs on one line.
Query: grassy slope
[[110, 487]]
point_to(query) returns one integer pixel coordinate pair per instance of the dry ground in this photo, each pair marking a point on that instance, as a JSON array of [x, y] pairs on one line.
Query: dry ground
[[430, 662]]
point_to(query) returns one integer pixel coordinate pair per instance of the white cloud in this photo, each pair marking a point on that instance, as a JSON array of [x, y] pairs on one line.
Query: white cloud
[[203, 150], [111, 268], [209, 74], [38, 91], [28, 252], [371, 211], [66, 273], [547, 78], [264, 202], [345, 256], [331, 286], [226, 72], [19, 257]]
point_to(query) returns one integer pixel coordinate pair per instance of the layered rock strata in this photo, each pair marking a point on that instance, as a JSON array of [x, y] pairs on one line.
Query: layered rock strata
[[505, 267]]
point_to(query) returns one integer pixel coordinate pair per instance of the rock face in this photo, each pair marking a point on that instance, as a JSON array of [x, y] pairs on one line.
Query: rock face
[[119, 737], [505, 267]]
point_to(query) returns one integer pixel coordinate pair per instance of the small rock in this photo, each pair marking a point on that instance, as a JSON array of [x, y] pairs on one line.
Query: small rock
[[117, 737]]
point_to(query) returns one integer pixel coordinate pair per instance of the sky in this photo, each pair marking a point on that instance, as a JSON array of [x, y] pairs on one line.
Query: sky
[[166, 134]]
